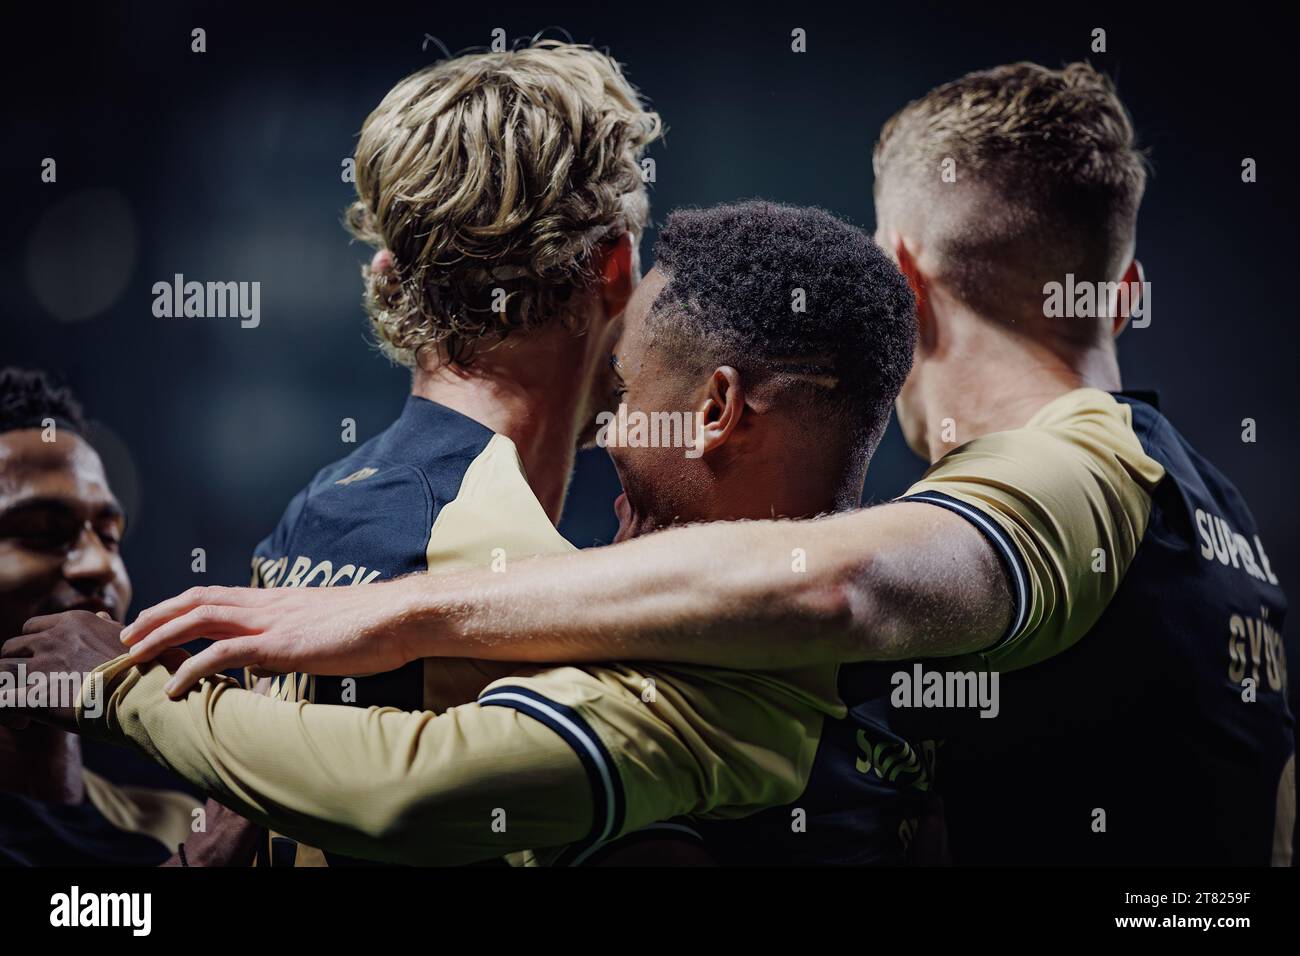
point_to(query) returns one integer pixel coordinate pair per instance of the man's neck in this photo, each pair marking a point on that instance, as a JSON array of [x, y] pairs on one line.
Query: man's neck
[[997, 380], [797, 475], [531, 395], [41, 763]]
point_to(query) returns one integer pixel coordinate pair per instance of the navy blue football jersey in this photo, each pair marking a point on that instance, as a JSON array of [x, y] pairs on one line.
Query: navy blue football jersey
[[368, 517], [434, 491], [1163, 735]]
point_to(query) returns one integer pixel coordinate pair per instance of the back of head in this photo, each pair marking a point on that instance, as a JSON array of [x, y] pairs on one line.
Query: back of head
[[805, 306], [495, 171], [1047, 183]]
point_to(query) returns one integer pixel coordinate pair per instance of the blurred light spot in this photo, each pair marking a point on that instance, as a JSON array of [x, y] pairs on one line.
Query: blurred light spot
[[81, 254]]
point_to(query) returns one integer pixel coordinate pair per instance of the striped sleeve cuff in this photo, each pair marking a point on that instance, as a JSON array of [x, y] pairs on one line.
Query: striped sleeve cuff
[[606, 788], [1008, 552]]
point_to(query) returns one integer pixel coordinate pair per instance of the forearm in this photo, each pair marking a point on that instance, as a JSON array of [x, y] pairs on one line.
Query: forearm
[[375, 784], [885, 583]]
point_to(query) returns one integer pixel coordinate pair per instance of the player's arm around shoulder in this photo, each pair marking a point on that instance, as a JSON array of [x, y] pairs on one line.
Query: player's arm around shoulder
[[1063, 504], [417, 788], [1011, 546], [564, 758]]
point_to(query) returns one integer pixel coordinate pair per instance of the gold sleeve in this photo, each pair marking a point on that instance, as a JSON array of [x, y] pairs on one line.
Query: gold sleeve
[[472, 783], [661, 743], [559, 758], [1065, 502]]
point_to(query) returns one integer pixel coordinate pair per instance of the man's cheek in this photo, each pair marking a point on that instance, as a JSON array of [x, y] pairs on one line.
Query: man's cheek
[[27, 579], [23, 570]]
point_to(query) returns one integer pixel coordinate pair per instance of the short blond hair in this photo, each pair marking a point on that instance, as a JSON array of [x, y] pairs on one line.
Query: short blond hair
[[1048, 180], [495, 171]]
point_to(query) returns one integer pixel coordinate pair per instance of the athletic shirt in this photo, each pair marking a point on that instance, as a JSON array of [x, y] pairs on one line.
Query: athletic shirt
[[1139, 713], [1143, 713], [436, 490]]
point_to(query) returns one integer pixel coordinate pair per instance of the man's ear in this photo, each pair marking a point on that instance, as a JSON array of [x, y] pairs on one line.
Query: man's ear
[[925, 325], [721, 411], [616, 262], [1130, 302]]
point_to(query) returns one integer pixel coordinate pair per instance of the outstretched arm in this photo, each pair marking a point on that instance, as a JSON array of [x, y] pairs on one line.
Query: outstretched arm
[[470, 784], [560, 758], [473, 783], [890, 582], [1011, 545]]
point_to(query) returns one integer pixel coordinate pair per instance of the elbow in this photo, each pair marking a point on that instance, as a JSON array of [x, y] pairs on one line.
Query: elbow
[[868, 607], [838, 609]]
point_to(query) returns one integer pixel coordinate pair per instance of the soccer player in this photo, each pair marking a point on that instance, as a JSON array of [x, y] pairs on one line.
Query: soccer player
[[1066, 536], [786, 408], [60, 527], [503, 196]]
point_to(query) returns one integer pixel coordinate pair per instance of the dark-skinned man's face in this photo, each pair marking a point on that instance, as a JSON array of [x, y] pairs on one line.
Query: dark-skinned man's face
[[60, 531], [659, 484]]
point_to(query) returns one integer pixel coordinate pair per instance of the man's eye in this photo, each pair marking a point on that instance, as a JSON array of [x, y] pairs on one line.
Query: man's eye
[[52, 542]]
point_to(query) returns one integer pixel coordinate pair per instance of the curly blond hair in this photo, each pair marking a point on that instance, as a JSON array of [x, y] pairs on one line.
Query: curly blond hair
[[491, 177]]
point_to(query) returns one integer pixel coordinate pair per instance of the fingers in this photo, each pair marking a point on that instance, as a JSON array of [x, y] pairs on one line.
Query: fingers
[[17, 647], [35, 625], [151, 618], [215, 622], [9, 717], [238, 652]]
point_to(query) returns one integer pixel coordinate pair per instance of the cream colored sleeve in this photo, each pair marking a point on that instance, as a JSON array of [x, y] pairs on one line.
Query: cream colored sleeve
[[470, 784], [667, 742], [1065, 501]]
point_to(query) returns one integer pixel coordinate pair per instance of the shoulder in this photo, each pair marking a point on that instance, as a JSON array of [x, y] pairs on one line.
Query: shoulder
[[493, 517]]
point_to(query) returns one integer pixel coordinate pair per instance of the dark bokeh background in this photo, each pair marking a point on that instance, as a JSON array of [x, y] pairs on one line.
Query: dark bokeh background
[[226, 165]]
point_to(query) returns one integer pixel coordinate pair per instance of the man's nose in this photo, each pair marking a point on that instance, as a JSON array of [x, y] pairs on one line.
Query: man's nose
[[89, 560]]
